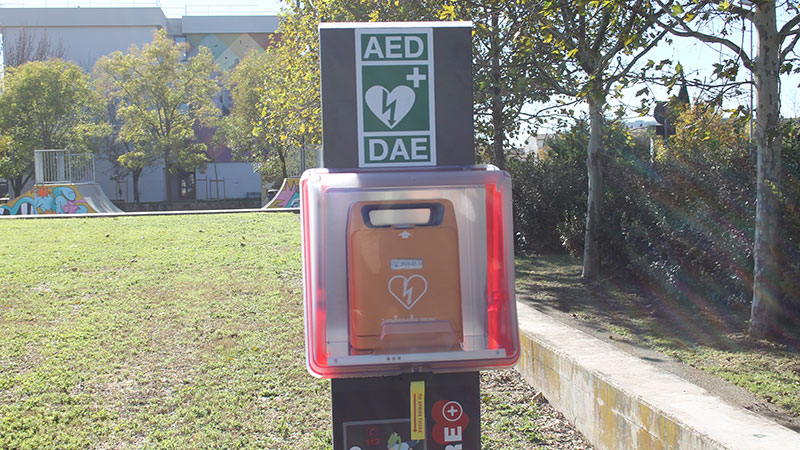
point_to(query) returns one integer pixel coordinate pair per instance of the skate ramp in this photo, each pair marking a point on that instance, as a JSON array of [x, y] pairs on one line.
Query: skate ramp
[[288, 197], [84, 198]]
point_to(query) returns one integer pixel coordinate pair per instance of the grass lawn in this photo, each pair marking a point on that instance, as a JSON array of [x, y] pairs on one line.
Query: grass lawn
[[170, 332], [695, 333]]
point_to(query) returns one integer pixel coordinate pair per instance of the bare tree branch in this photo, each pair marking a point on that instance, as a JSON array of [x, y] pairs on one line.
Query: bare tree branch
[[27, 47], [786, 29], [785, 52], [686, 31], [632, 63]]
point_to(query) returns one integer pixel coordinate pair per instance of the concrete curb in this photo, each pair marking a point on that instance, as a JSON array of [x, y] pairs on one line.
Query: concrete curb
[[619, 401]]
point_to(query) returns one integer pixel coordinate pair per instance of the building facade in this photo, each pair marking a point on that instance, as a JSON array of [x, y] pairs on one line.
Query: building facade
[[84, 35]]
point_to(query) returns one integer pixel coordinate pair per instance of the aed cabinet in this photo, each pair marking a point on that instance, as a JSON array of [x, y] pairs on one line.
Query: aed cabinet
[[408, 270]]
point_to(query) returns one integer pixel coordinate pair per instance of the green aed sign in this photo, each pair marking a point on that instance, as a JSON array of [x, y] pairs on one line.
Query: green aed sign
[[396, 94], [395, 97]]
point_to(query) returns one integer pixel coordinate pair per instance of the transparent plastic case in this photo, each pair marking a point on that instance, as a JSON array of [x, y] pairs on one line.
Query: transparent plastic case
[[408, 270]]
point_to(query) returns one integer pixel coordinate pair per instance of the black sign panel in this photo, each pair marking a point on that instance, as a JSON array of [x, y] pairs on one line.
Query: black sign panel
[[396, 95], [375, 413]]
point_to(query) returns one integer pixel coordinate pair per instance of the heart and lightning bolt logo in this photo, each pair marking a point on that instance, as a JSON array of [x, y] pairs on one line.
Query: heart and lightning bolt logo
[[408, 290], [390, 107]]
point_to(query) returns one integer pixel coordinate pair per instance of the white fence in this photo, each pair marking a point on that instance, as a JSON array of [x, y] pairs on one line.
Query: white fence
[[62, 166]]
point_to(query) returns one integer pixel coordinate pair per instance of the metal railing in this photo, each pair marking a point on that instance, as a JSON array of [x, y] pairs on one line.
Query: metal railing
[[298, 160], [63, 166]]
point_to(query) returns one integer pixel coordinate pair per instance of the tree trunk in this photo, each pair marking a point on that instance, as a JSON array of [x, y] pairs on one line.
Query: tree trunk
[[765, 309], [594, 165], [135, 174], [498, 131], [282, 158], [167, 172], [18, 184]]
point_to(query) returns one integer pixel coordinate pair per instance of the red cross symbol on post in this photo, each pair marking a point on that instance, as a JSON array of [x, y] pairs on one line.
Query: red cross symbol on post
[[452, 411]]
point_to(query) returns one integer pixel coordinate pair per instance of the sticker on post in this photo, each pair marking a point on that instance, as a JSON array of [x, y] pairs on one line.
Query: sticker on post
[[406, 264], [418, 410]]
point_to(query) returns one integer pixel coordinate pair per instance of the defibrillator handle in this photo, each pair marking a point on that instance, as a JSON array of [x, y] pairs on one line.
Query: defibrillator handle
[[435, 216]]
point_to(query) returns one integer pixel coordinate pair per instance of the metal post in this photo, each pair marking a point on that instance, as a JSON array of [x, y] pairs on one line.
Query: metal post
[[37, 164], [303, 158]]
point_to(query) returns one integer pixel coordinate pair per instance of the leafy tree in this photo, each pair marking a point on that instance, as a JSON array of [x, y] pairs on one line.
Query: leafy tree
[[501, 46], [46, 105], [599, 43], [246, 83], [790, 200], [504, 76], [125, 158], [704, 129], [290, 107], [162, 97], [713, 22]]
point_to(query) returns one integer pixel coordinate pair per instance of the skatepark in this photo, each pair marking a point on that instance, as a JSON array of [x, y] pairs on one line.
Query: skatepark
[[64, 184]]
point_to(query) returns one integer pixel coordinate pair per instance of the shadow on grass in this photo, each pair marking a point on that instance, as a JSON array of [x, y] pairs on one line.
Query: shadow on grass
[[631, 308]]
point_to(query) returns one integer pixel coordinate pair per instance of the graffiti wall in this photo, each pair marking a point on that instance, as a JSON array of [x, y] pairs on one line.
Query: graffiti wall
[[48, 200], [229, 49], [288, 196]]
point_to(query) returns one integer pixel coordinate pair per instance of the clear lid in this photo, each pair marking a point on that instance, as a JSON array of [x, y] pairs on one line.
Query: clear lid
[[408, 270]]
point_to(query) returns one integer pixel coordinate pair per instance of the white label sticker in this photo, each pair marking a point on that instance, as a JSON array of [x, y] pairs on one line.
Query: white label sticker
[[406, 264]]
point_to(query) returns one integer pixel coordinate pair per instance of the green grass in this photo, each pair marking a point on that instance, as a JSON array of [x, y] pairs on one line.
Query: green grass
[[511, 414], [155, 332], [166, 332], [697, 334]]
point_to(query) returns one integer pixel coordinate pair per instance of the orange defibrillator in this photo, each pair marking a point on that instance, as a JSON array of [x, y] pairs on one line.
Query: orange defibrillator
[[403, 273]]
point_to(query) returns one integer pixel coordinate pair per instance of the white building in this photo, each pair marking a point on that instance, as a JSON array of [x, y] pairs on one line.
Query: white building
[[87, 34]]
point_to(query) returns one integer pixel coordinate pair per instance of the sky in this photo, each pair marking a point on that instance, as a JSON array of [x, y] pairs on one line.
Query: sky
[[695, 57]]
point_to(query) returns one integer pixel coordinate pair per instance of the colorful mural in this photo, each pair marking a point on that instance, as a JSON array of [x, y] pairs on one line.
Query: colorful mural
[[288, 196], [229, 49], [48, 200]]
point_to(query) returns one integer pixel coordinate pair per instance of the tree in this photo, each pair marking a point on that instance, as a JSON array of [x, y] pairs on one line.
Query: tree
[[289, 106], [775, 54], [162, 97], [600, 43], [247, 84], [27, 47], [504, 76], [123, 156], [46, 105]]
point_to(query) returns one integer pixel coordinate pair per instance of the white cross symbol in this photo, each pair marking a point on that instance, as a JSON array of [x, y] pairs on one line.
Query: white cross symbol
[[452, 411], [416, 77]]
